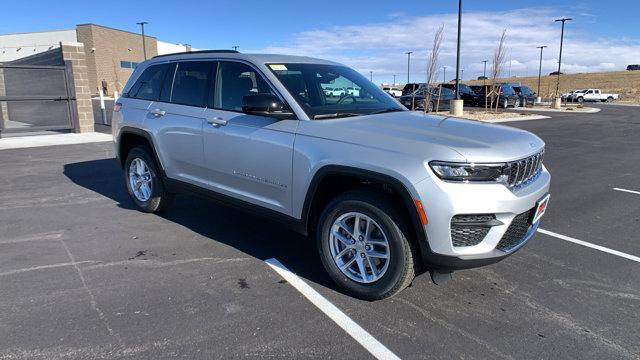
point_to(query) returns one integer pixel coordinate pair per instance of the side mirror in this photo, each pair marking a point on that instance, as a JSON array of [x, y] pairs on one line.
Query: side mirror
[[265, 105]]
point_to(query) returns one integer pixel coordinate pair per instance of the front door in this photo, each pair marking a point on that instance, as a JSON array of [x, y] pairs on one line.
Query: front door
[[247, 156]]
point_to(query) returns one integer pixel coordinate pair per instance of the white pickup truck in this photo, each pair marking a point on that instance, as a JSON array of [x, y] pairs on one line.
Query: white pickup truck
[[591, 95]]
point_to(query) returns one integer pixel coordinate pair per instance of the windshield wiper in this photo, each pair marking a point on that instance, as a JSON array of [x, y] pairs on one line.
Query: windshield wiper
[[387, 110], [335, 115]]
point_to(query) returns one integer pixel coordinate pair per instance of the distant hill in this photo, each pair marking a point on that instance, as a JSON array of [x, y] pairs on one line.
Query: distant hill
[[625, 83]]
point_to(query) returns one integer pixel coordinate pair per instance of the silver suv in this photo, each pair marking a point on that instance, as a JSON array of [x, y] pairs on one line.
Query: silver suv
[[385, 192]]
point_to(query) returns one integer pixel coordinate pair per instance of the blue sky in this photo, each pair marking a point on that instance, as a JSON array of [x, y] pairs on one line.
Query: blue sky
[[371, 35]]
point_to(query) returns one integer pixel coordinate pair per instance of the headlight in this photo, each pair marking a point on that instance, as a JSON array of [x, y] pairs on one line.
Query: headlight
[[452, 171]]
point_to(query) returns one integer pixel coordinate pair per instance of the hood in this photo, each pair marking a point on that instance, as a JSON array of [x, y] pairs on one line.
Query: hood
[[433, 137]]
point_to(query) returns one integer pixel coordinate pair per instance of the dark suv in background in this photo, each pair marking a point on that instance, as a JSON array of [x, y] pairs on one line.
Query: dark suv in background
[[526, 95], [467, 94], [508, 96], [440, 98]]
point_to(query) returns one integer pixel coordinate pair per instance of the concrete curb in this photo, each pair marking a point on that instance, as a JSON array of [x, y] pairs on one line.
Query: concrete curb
[[52, 140], [586, 110]]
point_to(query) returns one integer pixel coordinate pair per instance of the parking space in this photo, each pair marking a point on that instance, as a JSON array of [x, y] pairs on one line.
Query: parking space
[[85, 275]]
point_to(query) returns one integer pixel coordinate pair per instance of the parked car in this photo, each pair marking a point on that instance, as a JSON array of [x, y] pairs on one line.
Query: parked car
[[483, 78], [411, 87], [353, 91], [469, 96], [592, 95], [337, 92], [555, 73], [382, 191], [440, 99], [328, 91], [633, 67], [526, 95], [507, 97], [393, 91]]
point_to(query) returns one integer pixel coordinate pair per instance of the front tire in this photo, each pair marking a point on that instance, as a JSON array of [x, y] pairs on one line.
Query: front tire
[[364, 245], [143, 181], [505, 104]]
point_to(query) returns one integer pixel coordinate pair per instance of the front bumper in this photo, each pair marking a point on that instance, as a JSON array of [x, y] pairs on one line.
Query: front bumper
[[443, 200]]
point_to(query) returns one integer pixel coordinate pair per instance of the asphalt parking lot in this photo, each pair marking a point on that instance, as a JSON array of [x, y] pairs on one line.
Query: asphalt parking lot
[[83, 275]]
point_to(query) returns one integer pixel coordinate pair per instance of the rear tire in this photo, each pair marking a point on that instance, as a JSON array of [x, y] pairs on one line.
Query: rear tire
[[581, 100], [143, 181], [430, 107], [610, 99], [505, 104], [369, 276]]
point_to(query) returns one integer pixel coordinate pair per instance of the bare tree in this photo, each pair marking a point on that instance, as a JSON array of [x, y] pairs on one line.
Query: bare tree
[[497, 67], [432, 66]]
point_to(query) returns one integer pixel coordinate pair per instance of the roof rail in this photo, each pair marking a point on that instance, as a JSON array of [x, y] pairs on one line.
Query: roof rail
[[201, 52]]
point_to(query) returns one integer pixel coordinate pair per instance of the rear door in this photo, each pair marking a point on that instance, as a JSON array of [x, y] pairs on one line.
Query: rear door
[[177, 119], [147, 88], [248, 157]]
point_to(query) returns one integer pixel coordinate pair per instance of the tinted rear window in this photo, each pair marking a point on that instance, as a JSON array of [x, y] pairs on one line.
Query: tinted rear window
[[192, 83], [149, 84]]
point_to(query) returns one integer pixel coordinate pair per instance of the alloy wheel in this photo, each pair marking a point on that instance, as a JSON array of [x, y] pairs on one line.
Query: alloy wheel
[[140, 179], [359, 247]]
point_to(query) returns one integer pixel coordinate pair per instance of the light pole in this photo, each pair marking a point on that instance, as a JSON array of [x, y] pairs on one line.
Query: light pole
[[540, 67], [484, 73], [371, 76], [235, 47], [408, 64], [563, 20], [444, 74], [462, 75], [144, 46], [458, 50], [394, 79]]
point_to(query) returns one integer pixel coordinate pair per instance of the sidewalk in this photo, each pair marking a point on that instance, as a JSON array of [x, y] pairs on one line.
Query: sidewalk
[[51, 140]]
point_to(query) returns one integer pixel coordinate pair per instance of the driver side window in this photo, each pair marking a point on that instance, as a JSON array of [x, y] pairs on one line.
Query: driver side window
[[234, 80]]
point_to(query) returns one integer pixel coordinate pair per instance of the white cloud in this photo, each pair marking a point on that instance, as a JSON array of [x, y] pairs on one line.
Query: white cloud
[[380, 47]]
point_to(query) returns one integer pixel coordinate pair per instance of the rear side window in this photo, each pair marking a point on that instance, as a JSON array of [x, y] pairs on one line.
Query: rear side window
[[149, 84], [234, 80], [192, 82]]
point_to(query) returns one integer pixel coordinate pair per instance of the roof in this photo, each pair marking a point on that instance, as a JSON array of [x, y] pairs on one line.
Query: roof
[[253, 58]]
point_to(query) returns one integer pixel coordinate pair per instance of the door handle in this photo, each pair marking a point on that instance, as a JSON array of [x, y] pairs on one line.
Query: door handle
[[157, 112], [217, 121]]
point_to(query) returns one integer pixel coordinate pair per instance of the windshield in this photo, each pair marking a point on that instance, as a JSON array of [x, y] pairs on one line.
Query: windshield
[[352, 93]]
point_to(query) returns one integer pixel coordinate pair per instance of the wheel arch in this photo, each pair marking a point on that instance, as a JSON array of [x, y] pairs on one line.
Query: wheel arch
[[130, 137], [320, 192]]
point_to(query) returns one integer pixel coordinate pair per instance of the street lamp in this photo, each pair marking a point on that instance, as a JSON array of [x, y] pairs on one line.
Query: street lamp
[[540, 67], [144, 47], [563, 20], [462, 74], [484, 73], [394, 79], [235, 47], [444, 74], [458, 50], [408, 63], [371, 76]]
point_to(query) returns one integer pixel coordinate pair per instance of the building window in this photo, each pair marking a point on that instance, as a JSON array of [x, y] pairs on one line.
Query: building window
[[128, 64]]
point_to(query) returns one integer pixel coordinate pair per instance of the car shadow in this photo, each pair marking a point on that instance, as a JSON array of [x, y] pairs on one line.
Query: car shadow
[[253, 235]]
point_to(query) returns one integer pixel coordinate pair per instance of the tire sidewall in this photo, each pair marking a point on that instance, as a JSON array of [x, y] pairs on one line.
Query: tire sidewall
[[156, 183], [398, 247]]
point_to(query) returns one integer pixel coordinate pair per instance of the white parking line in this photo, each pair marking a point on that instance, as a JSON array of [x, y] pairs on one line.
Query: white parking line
[[593, 246], [365, 339], [629, 191]]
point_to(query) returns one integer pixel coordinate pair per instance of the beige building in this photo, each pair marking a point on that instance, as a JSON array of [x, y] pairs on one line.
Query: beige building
[[111, 54]]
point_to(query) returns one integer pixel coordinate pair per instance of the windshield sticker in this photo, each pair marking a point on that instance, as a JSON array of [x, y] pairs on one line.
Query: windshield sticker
[[277, 67]]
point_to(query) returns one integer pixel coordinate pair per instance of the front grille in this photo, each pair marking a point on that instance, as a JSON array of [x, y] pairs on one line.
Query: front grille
[[515, 232], [524, 170], [469, 230]]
